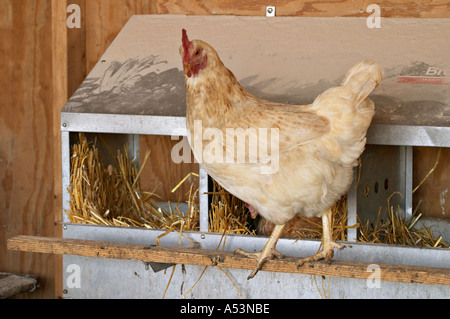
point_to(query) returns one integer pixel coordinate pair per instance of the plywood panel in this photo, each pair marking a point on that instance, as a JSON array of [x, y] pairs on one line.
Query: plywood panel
[[162, 174], [104, 20], [305, 8], [76, 49], [26, 130], [434, 194], [59, 97]]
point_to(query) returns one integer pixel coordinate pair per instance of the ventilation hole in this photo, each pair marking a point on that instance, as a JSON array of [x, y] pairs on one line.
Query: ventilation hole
[[375, 188], [366, 191], [386, 184]]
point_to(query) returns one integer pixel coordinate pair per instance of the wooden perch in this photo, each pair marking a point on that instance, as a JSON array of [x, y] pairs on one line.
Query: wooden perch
[[191, 256]]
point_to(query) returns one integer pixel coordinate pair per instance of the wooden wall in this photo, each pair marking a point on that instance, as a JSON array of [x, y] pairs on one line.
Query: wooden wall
[[26, 135], [42, 63]]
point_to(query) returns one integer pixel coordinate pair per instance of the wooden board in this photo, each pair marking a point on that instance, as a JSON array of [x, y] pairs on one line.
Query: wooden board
[[27, 149], [101, 249], [12, 284], [161, 174], [305, 8], [432, 198]]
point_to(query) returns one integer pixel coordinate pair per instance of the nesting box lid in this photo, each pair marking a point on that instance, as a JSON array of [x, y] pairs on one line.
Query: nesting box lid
[[138, 84]]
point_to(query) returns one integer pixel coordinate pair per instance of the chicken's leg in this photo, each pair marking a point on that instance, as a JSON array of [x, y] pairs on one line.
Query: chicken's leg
[[268, 253], [327, 240]]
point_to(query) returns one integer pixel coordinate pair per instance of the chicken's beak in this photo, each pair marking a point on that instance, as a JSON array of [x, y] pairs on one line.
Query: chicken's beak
[[187, 67]]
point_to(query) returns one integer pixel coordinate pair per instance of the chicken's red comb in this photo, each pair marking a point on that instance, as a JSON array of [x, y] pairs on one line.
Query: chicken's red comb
[[186, 45], [185, 39]]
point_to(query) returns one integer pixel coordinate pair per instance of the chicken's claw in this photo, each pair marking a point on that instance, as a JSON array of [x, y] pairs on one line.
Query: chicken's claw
[[262, 256], [268, 253], [327, 253], [328, 243]]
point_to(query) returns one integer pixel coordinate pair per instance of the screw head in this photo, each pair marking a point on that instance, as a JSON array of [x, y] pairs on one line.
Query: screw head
[[64, 124], [270, 11], [202, 236]]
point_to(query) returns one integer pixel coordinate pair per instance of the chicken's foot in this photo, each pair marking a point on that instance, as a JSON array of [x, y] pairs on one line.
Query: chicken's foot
[[268, 253], [327, 240]]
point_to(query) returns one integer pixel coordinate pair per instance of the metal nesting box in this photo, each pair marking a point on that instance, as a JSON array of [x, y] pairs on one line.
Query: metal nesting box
[[137, 87]]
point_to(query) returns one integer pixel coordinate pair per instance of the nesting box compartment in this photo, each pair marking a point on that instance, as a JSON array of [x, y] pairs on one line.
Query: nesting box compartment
[[137, 88]]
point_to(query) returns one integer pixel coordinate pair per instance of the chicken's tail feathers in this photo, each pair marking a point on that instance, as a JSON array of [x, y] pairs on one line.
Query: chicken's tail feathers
[[362, 79]]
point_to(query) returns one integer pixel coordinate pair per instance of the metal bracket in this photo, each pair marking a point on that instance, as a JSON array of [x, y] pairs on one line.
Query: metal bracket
[[156, 266]]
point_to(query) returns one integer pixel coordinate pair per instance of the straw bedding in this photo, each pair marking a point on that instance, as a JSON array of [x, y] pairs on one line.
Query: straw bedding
[[112, 195]]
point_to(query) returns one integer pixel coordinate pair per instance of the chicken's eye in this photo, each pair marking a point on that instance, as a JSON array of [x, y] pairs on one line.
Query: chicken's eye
[[197, 52]]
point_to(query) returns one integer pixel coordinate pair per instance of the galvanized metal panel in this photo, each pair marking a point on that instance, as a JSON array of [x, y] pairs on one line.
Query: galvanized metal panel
[[119, 279], [123, 124], [352, 208], [65, 163], [408, 135], [203, 200], [378, 134], [386, 179]]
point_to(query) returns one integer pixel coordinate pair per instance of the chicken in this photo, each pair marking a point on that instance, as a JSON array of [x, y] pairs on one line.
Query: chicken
[[297, 227], [308, 163]]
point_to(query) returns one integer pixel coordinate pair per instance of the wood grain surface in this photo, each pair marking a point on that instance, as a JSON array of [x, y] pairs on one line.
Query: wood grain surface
[[192, 256], [27, 136]]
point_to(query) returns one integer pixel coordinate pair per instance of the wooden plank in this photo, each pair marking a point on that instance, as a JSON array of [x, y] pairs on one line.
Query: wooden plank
[[161, 174], [26, 135], [104, 20], [76, 49], [433, 195], [348, 269], [11, 284], [306, 8], [59, 98]]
